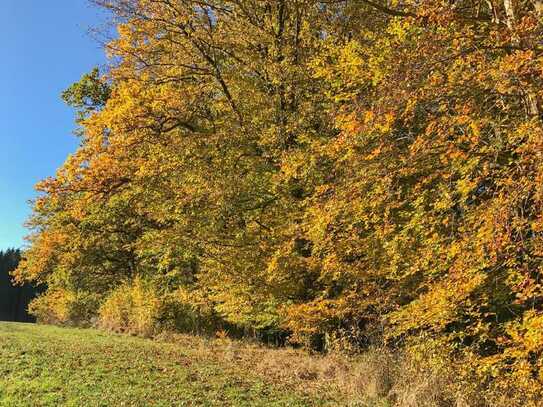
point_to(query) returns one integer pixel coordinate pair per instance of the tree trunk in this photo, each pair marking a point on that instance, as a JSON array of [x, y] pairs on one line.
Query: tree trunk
[[530, 97]]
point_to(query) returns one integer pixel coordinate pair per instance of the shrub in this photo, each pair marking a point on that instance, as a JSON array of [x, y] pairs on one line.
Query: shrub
[[65, 307], [133, 308], [139, 307]]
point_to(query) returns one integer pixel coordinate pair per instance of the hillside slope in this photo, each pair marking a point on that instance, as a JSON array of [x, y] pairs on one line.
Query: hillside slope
[[50, 366]]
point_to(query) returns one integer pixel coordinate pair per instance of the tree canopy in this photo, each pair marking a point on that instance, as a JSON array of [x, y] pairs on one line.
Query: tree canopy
[[334, 172]]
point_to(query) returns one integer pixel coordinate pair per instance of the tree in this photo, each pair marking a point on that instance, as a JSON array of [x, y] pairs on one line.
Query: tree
[[270, 165], [13, 300]]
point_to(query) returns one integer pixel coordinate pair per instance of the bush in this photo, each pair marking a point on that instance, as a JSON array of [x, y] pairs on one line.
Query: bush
[[65, 307], [133, 308], [139, 307]]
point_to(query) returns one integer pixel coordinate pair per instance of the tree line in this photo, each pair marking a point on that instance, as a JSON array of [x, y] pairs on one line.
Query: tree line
[[332, 173], [14, 300]]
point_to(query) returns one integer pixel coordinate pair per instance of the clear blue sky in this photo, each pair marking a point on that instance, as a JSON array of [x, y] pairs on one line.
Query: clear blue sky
[[45, 47]]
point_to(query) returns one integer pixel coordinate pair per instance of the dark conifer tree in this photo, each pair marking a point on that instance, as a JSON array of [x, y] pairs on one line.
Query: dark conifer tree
[[13, 299]]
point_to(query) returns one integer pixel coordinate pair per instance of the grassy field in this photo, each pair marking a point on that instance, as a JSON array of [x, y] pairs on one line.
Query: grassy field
[[50, 366]]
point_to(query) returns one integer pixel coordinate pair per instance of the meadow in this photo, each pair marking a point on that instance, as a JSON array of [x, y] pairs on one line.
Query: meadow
[[50, 366], [42, 365]]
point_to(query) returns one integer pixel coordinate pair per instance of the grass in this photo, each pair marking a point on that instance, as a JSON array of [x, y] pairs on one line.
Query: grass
[[51, 366]]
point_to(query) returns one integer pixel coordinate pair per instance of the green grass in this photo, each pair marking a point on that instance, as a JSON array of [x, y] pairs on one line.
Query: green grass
[[51, 366]]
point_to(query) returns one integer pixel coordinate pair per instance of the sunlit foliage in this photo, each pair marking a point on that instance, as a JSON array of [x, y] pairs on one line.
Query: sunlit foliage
[[338, 172]]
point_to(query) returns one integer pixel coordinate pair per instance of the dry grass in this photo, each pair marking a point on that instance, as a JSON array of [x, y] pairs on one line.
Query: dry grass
[[375, 378]]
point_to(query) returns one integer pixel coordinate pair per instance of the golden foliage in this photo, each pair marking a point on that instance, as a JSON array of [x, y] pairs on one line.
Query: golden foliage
[[328, 171]]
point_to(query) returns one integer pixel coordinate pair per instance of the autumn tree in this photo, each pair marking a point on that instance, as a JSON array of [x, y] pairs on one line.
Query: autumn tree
[[341, 172]]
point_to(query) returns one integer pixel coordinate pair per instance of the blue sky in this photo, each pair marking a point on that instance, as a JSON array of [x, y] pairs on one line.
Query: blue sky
[[45, 47]]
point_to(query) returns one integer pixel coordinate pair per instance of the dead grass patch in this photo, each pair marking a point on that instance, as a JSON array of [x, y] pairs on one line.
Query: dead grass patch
[[374, 378]]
